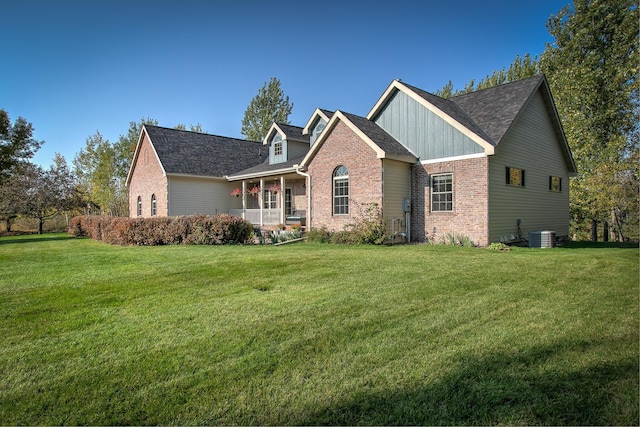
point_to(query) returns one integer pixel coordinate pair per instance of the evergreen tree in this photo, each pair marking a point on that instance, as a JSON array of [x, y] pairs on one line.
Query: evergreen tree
[[268, 106]]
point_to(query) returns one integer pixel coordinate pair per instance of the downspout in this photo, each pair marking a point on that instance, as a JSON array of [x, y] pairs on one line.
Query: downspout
[[299, 172]]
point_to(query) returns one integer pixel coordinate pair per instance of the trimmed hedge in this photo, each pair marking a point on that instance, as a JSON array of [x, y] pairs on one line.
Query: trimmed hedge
[[182, 230]]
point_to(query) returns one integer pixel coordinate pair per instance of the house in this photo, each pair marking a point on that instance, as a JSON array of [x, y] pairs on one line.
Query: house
[[176, 172], [492, 165]]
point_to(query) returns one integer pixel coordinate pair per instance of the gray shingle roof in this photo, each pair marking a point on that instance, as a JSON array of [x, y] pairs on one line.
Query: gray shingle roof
[[200, 154], [328, 113], [380, 137], [265, 168], [293, 132], [495, 109]]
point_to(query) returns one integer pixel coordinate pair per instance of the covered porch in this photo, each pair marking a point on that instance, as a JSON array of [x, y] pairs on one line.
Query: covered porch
[[273, 201]]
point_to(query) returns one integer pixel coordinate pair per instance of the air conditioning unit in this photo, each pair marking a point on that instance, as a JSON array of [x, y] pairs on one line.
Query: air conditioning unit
[[542, 239]]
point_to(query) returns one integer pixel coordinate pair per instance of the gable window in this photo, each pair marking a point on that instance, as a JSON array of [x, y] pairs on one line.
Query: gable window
[[555, 184], [442, 193], [341, 191], [515, 177], [139, 206], [277, 148], [153, 205]]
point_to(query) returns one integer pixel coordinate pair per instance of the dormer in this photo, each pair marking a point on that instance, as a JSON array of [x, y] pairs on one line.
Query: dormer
[[316, 124], [285, 143]]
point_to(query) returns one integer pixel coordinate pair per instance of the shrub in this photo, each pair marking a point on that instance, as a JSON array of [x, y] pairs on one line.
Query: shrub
[[318, 235], [499, 247], [455, 239], [195, 230], [369, 226]]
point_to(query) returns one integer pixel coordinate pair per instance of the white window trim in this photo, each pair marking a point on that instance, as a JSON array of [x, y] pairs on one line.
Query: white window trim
[[431, 193]]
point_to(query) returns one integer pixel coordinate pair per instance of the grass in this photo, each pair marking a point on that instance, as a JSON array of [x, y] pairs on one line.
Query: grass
[[317, 334]]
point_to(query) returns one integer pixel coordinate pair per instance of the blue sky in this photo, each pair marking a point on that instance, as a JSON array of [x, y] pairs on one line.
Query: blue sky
[[72, 68]]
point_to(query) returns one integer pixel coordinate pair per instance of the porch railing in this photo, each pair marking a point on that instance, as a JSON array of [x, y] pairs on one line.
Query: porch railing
[[269, 216]]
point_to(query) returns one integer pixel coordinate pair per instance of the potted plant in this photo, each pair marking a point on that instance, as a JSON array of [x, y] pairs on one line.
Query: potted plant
[[254, 191], [236, 192], [275, 188]]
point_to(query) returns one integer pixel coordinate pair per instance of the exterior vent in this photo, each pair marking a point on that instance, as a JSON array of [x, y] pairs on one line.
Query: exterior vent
[[542, 239]]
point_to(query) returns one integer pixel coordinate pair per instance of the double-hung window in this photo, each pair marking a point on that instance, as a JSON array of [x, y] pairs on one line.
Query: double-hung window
[[442, 193], [341, 191]]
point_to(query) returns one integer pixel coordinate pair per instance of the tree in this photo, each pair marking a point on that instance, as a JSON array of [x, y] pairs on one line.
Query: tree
[[192, 128], [520, 68], [592, 69], [268, 106], [17, 144], [99, 173], [38, 193]]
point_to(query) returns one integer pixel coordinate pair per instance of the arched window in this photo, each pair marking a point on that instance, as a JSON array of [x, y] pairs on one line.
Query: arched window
[[139, 206], [153, 205], [341, 191]]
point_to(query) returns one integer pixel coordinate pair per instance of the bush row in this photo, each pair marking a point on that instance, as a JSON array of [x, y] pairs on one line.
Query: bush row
[[182, 230]]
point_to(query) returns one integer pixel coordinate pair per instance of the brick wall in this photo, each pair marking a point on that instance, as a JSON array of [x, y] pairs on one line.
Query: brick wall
[[147, 179], [343, 147], [470, 215]]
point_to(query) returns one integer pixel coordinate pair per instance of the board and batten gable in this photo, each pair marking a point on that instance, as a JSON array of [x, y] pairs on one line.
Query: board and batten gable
[[273, 156], [531, 144], [422, 131], [147, 180], [191, 195]]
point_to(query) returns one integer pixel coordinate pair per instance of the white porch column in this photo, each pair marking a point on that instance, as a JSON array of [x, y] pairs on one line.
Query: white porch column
[[261, 201], [282, 213], [244, 200]]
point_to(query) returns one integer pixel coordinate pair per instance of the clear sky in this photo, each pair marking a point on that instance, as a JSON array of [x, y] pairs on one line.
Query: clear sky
[[72, 68]]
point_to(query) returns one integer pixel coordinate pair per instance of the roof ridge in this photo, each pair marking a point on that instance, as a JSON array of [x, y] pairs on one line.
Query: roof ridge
[[200, 133], [501, 85]]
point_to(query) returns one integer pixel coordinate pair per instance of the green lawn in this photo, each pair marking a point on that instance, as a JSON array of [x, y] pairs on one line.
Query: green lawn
[[316, 334]]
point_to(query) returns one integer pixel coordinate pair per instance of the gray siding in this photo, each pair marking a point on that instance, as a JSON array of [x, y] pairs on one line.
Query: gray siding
[[422, 131], [189, 196], [396, 187], [532, 145], [296, 149]]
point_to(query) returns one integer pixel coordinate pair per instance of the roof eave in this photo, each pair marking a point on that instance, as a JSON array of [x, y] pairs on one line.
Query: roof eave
[[283, 171], [316, 112], [136, 153]]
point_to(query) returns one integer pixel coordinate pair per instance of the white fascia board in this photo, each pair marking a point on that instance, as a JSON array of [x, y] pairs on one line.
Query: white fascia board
[[453, 158], [136, 154], [261, 174], [316, 113], [274, 128]]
